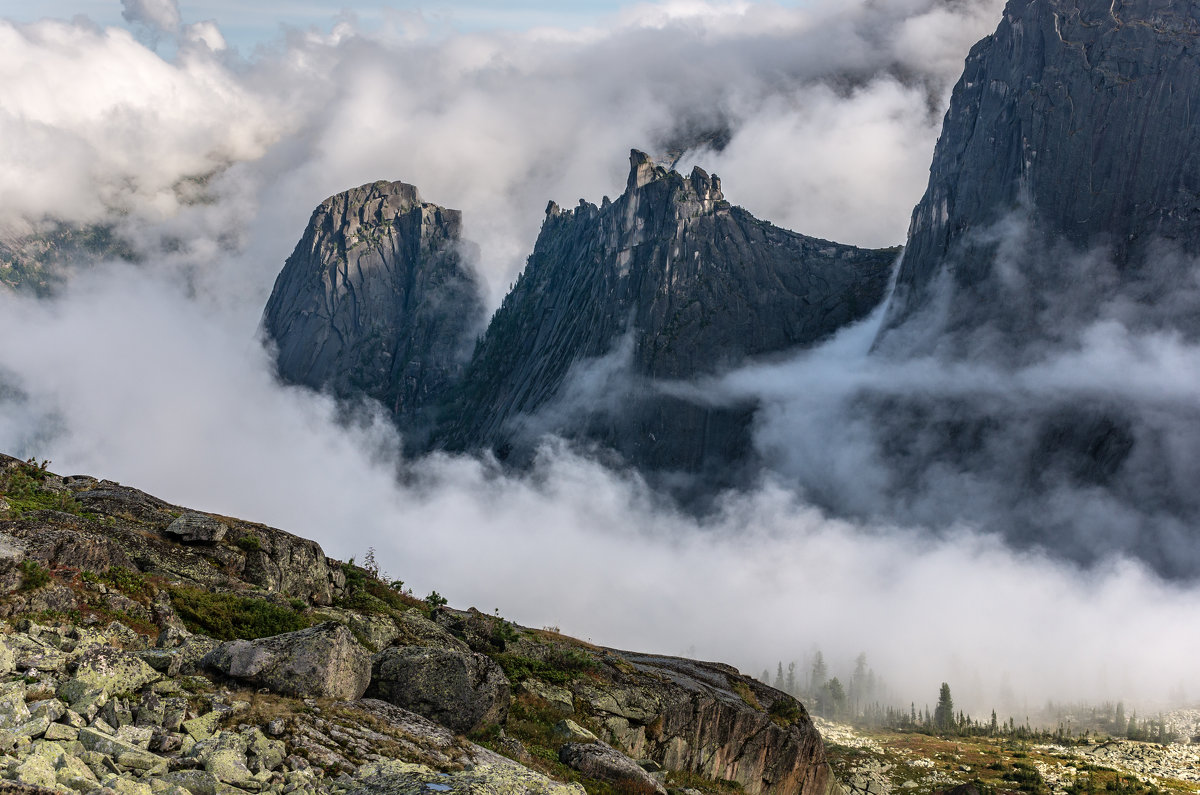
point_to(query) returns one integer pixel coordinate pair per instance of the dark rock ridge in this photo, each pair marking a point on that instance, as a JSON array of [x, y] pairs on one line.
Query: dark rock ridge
[[666, 283], [111, 624], [377, 300], [1071, 128]]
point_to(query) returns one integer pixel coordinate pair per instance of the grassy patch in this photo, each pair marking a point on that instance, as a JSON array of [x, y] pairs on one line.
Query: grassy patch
[[746, 694], [249, 544], [133, 584], [228, 616], [685, 780], [785, 712], [560, 667]]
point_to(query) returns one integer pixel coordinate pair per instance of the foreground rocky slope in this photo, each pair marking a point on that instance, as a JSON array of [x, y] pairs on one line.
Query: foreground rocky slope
[[377, 300], [666, 283], [152, 649]]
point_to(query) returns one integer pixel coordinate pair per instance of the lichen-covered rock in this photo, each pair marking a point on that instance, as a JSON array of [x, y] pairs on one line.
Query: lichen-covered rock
[[461, 690], [377, 631], [492, 778], [570, 731], [107, 670], [321, 661], [697, 716], [125, 754], [197, 527], [601, 761]]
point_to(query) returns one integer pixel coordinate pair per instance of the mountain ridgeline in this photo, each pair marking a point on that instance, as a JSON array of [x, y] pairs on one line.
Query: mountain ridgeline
[[1056, 244], [617, 302]]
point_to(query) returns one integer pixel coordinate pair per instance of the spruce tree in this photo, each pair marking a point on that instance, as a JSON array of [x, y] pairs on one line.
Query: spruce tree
[[943, 714]]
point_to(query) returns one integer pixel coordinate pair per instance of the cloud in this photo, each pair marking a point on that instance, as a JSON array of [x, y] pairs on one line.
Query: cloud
[[159, 16], [210, 164], [184, 407], [494, 124]]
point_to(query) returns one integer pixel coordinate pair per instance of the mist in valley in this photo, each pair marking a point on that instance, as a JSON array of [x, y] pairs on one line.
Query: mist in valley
[[820, 118]]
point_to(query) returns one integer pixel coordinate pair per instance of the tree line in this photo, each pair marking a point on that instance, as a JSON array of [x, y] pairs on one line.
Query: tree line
[[863, 701]]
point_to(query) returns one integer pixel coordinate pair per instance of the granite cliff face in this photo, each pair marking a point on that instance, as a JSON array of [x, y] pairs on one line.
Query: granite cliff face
[[145, 647], [666, 283], [1071, 130], [377, 301]]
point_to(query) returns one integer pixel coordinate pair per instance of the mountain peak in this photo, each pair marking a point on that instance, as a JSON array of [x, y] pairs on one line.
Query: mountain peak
[[643, 171]]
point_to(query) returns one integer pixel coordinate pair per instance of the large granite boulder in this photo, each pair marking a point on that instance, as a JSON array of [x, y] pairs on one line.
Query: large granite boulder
[[462, 690], [603, 762], [321, 661]]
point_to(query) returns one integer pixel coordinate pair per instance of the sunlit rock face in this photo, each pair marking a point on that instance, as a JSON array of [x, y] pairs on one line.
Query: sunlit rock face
[[378, 301], [664, 284]]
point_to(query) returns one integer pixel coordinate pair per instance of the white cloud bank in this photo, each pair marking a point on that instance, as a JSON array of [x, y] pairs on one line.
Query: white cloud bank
[[152, 375]]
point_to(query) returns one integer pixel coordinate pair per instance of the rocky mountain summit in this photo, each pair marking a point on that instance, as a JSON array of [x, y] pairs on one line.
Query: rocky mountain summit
[[666, 283], [147, 649], [378, 301]]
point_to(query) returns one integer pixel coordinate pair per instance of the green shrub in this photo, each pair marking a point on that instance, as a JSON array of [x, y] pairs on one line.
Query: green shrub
[[33, 575], [23, 486], [129, 582], [227, 616], [249, 544]]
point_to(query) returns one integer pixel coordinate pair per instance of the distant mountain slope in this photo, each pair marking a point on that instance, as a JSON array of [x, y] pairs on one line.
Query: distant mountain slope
[[668, 282], [377, 301]]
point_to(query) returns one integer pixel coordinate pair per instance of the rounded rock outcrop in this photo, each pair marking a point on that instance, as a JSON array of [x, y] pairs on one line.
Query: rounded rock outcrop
[[321, 661], [461, 690]]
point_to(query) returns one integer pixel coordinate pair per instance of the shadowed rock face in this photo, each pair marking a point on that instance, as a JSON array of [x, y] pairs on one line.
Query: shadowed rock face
[[1072, 127], [668, 282], [377, 301], [1064, 193]]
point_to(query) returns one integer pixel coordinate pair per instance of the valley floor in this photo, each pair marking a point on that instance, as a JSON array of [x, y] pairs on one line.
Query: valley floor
[[885, 762]]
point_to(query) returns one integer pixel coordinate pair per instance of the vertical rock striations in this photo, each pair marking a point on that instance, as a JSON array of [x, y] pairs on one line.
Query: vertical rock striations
[[1071, 128], [377, 301], [667, 283]]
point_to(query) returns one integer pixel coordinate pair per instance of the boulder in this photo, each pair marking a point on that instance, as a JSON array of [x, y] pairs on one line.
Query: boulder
[[197, 527], [462, 690], [570, 731], [597, 760], [107, 670], [321, 661]]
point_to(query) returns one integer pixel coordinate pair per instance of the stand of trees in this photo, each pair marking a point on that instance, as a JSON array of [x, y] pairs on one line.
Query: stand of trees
[[862, 701]]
